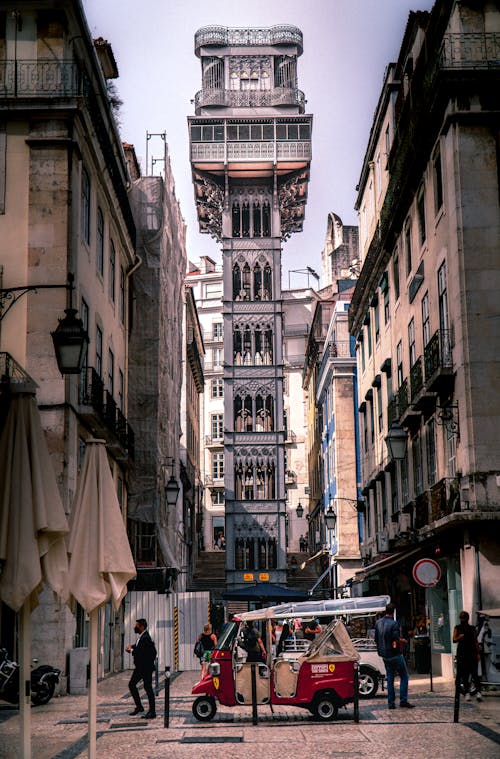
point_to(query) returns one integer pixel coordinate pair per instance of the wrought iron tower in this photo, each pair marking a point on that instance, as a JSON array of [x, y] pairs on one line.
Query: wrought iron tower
[[250, 150]]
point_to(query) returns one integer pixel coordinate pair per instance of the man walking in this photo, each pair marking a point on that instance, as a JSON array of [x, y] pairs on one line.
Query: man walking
[[468, 656], [388, 642], [144, 653]]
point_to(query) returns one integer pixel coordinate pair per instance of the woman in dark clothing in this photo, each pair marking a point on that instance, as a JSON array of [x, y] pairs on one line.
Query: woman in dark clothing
[[284, 635]]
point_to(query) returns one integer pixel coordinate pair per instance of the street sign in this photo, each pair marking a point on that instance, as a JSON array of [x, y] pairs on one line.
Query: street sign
[[427, 573]]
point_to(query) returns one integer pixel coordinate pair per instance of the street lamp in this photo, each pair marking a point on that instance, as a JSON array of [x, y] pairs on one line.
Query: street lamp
[[396, 442], [172, 490], [299, 510], [330, 519]]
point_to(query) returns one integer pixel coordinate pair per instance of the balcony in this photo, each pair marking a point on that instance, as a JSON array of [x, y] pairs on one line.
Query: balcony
[[290, 478], [39, 78], [392, 412], [211, 366], [213, 440], [470, 50], [438, 362], [212, 481], [416, 378], [210, 337], [249, 98], [290, 437], [215, 152], [422, 510], [402, 397], [281, 34], [445, 498], [99, 410]]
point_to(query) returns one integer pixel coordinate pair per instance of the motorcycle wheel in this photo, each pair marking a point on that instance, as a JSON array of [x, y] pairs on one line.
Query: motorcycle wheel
[[43, 693], [204, 708]]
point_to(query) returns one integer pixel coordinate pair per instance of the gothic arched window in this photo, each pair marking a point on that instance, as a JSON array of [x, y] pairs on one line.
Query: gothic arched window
[[248, 413], [266, 220], [247, 346], [246, 284], [236, 282], [268, 346], [257, 225], [236, 219], [257, 282], [268, 283], [237, 347], [238, 414]]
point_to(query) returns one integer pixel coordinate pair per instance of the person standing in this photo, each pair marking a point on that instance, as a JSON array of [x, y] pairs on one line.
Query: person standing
[[144, 654], [208, 640], [468, 655], [388, 640]]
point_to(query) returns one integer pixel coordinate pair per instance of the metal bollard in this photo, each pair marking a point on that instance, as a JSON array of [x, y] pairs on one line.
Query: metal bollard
[[254, 693], [356, 692], [166, 713]]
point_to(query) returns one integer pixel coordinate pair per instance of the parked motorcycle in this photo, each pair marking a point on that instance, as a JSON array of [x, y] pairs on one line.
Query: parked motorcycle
[[43, 681]]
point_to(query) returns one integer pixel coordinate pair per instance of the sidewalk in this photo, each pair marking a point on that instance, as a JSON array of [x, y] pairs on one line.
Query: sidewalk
[[59, 729]]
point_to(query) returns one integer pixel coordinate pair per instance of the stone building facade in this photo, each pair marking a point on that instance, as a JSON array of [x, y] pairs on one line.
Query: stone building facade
[[64, 208], [425, 317], [250, 146]]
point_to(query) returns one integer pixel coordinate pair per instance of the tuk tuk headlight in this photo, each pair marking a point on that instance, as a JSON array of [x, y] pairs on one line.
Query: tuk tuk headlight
[[214, 669]]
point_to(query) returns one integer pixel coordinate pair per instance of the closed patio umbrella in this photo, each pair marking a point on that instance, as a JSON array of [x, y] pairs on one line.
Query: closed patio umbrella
[[100, 563], [33, 526]]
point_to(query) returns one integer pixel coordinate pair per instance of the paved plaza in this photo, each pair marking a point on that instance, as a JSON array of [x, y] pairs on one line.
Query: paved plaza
[[59, 729]]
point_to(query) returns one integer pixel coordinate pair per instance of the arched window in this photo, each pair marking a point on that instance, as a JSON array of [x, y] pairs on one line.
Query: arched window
[[266, 220], [260, 482], [268, 283], [239, 553], [238, 482], [238, 414], [236, 282], [245, 220], [237, 347], [257, 282], [270, 481], [247, 346], [272, 554], [269, 425], [262, 552], [259, 413], [257, 226], [248, 413], [248, 483], [268, 346], [259, 353], [236, 219], [246, 282]]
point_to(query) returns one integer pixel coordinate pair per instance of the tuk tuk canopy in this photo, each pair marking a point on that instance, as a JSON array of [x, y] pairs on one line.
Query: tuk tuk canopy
[[327, 608]]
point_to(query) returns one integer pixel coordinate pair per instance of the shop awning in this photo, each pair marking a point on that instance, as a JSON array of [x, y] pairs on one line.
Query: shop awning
[[385, 563], [264, 591]]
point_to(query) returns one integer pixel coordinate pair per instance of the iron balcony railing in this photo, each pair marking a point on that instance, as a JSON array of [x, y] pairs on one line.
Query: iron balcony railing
[[437, 353], [249, 98], [39, 78], [392, 412], [93, 394], [110, 409], [92, 389], [281, 34], [416, 378], [471, 50]]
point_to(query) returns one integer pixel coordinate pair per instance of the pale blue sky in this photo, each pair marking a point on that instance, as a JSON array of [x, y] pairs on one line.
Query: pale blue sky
[[347, 46]]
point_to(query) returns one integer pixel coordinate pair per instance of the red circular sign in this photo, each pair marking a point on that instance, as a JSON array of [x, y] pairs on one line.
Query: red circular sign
[[427, 573]]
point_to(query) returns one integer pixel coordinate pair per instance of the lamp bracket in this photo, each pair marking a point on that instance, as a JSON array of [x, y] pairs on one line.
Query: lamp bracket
[[447, 416], [10, 295]]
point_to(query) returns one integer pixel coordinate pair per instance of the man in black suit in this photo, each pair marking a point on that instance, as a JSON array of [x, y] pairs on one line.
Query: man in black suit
[[144, 653]]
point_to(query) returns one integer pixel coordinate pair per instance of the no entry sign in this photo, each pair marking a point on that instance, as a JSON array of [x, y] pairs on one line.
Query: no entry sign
[[427, 573]]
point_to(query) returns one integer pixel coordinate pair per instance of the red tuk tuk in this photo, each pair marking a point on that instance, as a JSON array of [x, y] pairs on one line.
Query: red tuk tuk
[[316, 675]]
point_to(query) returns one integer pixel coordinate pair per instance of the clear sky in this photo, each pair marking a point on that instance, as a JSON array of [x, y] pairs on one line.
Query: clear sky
[[347, 46]]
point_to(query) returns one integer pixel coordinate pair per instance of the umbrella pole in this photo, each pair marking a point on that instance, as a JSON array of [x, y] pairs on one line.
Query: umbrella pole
[[25, 679], [92, 725]]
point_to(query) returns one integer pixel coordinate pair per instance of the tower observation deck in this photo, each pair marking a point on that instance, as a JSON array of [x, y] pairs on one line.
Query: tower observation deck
[[250, 152]]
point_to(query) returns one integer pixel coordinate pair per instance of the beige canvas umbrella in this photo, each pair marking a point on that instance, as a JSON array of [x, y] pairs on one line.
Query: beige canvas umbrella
[[33, 526], [100, 563]]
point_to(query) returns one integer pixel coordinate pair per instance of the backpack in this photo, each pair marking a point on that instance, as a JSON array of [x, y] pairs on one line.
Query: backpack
[[198, 649]]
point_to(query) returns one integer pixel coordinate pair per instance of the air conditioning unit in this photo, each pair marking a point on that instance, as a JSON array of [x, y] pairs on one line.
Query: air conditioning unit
[[392, 529], [382, 542], [404, 522]]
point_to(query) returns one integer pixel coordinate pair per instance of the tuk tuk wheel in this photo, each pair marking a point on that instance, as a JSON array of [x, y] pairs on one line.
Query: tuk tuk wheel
[[368, 683], [325, 707], [204, 708]]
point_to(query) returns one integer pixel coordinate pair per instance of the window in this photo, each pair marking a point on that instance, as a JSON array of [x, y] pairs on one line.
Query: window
[[387, 307], [411, 342], [426, 324], [217, 330], [100, 243], [98, 351], [121, 389], [111, 371], [418, 484], [376, 320], [84, 315], [217, 498], [443, 300], [421, 216], [217, 466], [85, 207], [379, 409], [369, 336], [405, 493], [438, 181], [112, 271], [218, 357], [361, 348], [122, 295], [378, 175], [408, 248], [217, 388], [395, 275], [387, 139], [217, 426], [399, 362], [431, 451]]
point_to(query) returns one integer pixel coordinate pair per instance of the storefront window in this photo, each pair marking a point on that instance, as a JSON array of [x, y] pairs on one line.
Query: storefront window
[[445, 601]]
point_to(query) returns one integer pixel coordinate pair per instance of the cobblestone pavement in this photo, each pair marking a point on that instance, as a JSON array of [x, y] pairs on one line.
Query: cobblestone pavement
[[59, 729]]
